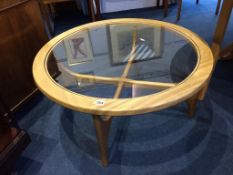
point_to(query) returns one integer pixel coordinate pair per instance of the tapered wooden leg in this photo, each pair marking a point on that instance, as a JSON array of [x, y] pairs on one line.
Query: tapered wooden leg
[[219, 35], [218, 6], [179, 9], [202, 93], [192, 105], [102, 130], [165, 8], [216, 52], [223, 21]]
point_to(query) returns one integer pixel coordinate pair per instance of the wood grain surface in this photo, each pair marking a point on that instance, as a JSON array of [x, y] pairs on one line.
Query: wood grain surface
[[129, 106], [22, 35]]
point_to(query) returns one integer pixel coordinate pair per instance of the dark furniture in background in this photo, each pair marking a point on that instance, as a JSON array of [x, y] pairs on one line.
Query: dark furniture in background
[[94, 8], [222, 24], [49, 10], [165, 7], [22, 34], [179, 2], [218, 7], [13, 141]]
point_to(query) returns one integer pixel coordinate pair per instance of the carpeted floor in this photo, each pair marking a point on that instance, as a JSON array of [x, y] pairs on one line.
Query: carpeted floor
[[164, 142]]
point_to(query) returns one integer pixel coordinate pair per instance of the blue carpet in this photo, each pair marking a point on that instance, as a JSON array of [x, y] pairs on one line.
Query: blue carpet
[[167, 142]]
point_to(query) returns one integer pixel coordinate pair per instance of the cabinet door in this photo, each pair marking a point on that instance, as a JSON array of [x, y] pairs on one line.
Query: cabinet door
[[22, 34]]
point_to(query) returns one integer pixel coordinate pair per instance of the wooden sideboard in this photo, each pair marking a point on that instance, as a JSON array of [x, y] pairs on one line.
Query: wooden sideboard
[[22, 34]]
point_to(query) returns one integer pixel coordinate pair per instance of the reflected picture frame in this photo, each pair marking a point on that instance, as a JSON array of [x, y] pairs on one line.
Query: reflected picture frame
[[121, 43], [78, 48]]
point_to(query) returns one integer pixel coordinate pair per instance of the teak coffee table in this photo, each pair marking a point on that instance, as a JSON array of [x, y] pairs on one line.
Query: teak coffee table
[[123, 67]]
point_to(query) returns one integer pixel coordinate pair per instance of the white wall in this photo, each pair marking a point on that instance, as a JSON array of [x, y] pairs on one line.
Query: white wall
[[120, 5]]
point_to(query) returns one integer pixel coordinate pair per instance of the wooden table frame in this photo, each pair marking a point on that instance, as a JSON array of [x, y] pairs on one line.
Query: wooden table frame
[[219, 34], [188, 89]]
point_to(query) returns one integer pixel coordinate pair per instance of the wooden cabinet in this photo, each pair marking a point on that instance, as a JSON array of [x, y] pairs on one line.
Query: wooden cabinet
[[22, 34], [12, 143]]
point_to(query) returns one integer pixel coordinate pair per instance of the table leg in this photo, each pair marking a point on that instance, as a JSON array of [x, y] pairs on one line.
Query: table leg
[[216, 51], [223, 21], [102, 130], [202, 93], [192, 102], [219, 36]]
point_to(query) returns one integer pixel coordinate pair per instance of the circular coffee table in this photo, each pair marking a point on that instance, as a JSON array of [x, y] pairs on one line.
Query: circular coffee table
[[123, 67]]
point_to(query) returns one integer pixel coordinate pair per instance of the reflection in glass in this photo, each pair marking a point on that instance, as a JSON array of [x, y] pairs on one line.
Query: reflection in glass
[[160, 55], [147, 42], [137, 91], [78, 48]]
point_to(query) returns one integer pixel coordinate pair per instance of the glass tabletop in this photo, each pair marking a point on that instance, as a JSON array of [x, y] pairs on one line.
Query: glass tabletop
[[123, 60]]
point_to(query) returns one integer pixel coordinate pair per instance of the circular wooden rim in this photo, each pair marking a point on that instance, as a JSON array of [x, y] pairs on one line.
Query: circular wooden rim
[[129, 106]]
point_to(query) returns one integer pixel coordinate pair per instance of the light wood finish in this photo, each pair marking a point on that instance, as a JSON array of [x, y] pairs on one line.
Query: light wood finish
[[115, 80], [102, 128], [117, 107], [219, 35], [223, 21], [221, 30], [192, 105], [120, 83], [102, 115], [222, 26], [102, 125], [215, 50]]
